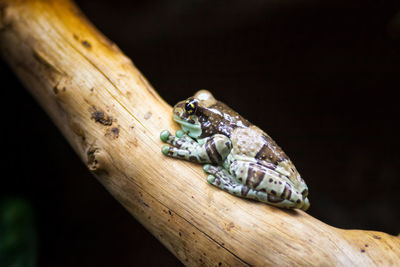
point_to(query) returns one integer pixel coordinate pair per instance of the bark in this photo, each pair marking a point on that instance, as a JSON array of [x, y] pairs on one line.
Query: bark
[[112, 117]]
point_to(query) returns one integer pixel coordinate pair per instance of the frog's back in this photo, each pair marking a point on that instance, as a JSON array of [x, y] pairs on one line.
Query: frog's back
[[253, 142], [255, 145], [248, 141]]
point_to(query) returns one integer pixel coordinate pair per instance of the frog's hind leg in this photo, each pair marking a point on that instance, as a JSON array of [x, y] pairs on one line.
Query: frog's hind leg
[[220, 177], [273, 200], [271, 186]]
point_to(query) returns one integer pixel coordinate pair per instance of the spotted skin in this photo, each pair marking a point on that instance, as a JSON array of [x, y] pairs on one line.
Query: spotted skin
[[212, 150], [221, 178], [239, 157], [275, 188]]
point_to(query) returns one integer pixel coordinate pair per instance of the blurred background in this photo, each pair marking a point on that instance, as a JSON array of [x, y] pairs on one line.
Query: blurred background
[[320, 78]]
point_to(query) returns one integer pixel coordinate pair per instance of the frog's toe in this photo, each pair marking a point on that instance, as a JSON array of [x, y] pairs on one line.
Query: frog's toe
[[164, 136], [165, 150], [211, 169], [207, 167], [211, 179], [179, 133], [306, 204]]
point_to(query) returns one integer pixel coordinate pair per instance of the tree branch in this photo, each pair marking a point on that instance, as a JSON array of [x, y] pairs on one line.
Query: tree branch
[[112, 117]]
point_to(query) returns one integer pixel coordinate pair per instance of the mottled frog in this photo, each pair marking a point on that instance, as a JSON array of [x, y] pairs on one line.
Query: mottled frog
[[238, 156]]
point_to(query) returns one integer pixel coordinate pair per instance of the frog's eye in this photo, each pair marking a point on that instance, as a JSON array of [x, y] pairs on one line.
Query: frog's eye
[[191, 106]]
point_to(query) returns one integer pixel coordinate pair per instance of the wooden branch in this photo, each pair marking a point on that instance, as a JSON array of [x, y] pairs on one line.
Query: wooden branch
[[112, 117]]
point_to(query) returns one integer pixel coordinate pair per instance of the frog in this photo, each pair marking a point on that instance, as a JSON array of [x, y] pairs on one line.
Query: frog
[[238, 157]]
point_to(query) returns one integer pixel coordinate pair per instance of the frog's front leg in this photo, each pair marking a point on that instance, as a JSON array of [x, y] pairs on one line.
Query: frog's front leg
[[213, 149]]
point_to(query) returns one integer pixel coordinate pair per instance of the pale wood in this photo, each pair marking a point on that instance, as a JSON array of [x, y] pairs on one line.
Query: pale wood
[[112, 117]]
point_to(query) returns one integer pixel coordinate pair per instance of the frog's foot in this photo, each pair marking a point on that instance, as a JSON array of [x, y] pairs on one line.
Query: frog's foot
[[182, 147], [211, 150], [177, 141], [211, 169], [220, 177], [276, 201], [217, 175], [181, 154]]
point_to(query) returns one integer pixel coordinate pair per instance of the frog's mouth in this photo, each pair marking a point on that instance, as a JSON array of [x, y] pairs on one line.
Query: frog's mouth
[[193, 128]]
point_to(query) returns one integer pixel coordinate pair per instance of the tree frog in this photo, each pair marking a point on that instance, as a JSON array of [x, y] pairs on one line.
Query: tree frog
[[238, 156]]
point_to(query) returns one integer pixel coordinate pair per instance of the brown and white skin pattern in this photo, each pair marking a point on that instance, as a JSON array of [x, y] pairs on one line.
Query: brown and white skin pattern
[[245, 160]]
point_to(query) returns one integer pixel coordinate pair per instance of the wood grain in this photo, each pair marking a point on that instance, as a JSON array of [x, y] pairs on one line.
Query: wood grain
[[112, 117]]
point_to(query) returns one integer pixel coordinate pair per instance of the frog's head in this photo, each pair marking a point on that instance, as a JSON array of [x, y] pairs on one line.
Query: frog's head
[[190, 113]]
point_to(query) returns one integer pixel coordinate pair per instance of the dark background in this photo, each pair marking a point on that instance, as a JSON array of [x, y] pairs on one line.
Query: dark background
[[320, 78]]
